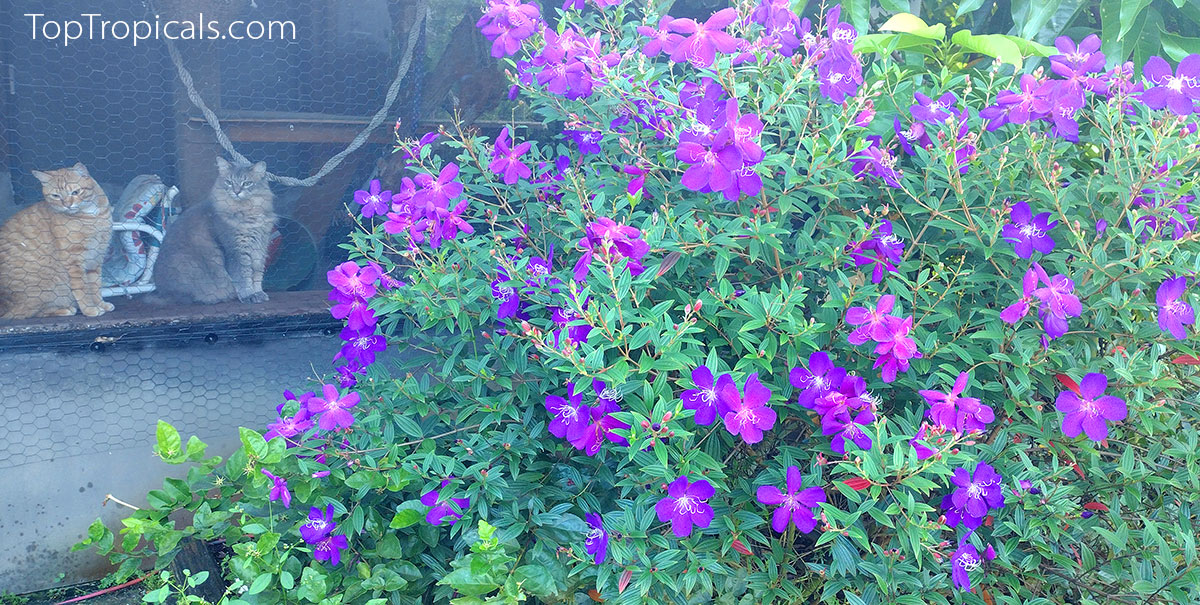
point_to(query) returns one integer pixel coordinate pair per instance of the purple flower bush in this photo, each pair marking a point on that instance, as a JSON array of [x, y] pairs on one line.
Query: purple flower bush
[[747, 322]]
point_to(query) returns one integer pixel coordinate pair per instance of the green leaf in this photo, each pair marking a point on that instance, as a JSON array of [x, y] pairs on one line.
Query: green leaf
[[968, 6], [408, 514], [992, 45], [169, 444], [1032, 15], [312, 585], [886, 43], [253, 442], [535, 579], [260, 583], [1130, 11], [1177, 47], [911, 24], [894, 6], [195, 449]]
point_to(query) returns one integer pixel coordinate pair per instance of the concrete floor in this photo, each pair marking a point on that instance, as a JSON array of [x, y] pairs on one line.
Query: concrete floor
[[75, 426]]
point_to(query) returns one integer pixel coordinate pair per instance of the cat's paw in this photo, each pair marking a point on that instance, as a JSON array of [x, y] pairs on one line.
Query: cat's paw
[[107, 306], [255, 298], [95, 311]]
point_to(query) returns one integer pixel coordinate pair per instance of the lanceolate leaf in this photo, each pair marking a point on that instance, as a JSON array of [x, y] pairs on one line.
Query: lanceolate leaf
[[993, 45]]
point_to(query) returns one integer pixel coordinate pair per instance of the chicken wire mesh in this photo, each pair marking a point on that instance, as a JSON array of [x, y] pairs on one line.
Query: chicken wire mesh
[[116, 205], [99, 336]]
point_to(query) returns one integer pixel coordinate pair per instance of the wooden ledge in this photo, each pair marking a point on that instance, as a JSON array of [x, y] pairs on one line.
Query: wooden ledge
[[135, 320]]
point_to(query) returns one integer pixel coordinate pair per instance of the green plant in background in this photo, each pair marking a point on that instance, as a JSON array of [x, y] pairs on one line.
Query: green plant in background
[[778, 318], [1132, 30]]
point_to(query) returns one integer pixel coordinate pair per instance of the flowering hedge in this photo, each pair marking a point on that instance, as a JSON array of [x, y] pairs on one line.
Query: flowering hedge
[[776, 318]]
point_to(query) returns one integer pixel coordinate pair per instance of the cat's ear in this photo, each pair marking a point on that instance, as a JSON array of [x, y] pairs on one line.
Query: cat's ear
[[259, 170], [42, 176], [223, 166], [80, 169]]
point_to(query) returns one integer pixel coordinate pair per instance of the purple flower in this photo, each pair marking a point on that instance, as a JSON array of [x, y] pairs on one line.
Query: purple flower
[[795, 505], [1173, 311], [685, 505], [510, 302], [442, 510], [352, 280], [704, 397], [353, 309], [965, 559], [506, 23], [600, 428], [330, 549], [923, 451], [875, 161], [745, 130], [596, 543], [703, 41], [506, 160], [933, 112], [440, 190], [662, 39], [1090, 409], [373, 201], [279, 489], [895, 353], [1058, 302], [290, 426], [844, 429], [1018, 107], [849, 394], [1176, 91], [1075, 61], [1014, 312], [569, 417], [1060, 100], [568, 321], [746, 416], [883, 249], [612, 241], [333, 408], [977, 492], [872, 323], [915, 133], [820, 378], [1027, 232], [956, 516], [414, 153], [361, 345], [838, 76], [318, 525], [959, 414], [710, 170], [587, 140]]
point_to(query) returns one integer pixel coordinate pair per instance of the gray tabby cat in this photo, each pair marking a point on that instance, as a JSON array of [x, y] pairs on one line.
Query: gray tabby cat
[[216, 250]]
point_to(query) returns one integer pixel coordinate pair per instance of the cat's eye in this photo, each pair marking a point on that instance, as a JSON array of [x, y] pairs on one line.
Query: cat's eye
[[247, 185], [229, 182], [56, 196], [76, 192]]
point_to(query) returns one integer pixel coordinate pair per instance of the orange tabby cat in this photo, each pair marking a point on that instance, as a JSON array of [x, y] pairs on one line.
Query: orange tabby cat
[[51, 252]]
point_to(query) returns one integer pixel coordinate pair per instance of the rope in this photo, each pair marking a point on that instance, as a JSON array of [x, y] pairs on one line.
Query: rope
[[211, 118]]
